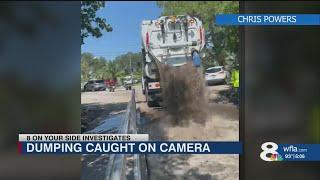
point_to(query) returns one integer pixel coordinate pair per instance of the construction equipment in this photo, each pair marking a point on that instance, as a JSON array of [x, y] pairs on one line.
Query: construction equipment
[[168, 41]]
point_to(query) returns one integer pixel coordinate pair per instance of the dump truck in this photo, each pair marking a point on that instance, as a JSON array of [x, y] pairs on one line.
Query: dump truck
[[168, 41]]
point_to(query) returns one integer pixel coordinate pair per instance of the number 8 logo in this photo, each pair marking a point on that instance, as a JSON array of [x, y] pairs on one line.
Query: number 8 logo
[[268, 150]]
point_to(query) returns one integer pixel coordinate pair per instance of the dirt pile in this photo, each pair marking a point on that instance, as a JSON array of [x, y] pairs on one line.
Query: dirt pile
[[184, 94]]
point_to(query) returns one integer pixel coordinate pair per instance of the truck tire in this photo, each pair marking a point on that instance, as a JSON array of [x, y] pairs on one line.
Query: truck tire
[[150, 103]]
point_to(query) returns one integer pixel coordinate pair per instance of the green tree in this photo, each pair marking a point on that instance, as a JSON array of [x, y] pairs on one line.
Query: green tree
[[123, 62], [86, 59], [93, 67], [222, 41], [90, 23], [112, 69], [100, 68]]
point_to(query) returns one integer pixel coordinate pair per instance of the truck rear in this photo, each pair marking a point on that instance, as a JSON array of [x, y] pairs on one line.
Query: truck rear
[[169, 41]]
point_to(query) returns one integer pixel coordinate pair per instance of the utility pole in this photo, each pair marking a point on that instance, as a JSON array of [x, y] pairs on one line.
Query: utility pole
[[131, 69]]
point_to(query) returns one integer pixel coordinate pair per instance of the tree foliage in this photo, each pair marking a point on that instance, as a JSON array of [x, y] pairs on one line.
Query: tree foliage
[[91, 25], [123, 62], [222, 41], [93, 68], [100, 68]]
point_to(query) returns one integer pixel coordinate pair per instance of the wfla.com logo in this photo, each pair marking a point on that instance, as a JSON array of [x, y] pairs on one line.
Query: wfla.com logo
[[269, 152]]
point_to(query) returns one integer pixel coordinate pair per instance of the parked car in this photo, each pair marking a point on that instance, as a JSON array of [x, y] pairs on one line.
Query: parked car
[[95, 85], [215, 75], [128, 82]]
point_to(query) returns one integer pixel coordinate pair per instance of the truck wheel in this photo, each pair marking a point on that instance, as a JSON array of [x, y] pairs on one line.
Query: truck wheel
[[224, 82], [153, 103], [150, 103]]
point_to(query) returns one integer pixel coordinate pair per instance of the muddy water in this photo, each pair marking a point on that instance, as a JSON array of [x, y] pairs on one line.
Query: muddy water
[[184, 94]]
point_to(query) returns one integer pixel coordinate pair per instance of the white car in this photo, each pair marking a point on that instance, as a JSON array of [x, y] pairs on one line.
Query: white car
[[128, 80], [216, 74]]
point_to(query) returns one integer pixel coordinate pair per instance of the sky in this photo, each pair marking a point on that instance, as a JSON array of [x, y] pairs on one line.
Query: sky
[[125, 19]]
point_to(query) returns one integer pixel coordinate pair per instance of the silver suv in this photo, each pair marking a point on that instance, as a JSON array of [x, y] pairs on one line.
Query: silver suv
[[95, 85]]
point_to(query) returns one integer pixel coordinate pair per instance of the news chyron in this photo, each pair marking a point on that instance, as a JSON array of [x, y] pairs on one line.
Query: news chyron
[[117, 144]]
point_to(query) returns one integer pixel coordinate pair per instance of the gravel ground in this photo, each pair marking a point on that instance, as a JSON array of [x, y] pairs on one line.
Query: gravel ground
[[96, 106], [222, 124]]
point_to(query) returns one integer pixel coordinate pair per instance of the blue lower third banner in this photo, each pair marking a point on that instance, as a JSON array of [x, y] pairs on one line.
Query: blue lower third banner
[[150, 147], [299, 152], [290, 152], [268, 19]]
